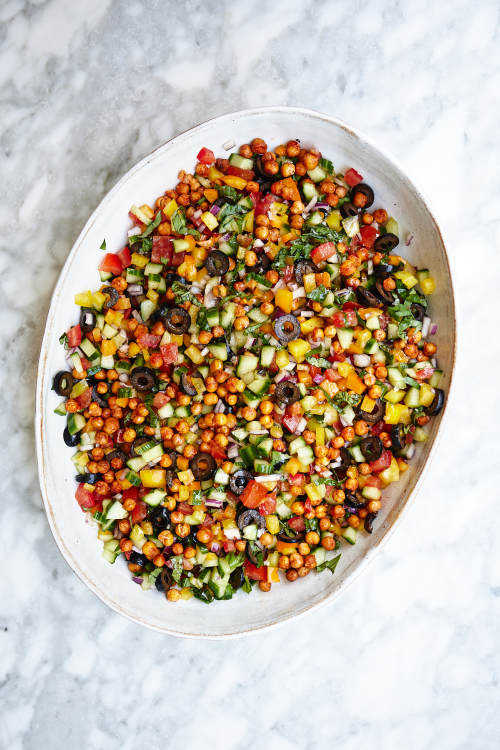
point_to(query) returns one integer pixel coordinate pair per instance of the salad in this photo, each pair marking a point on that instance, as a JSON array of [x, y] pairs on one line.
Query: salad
[[254, 369]]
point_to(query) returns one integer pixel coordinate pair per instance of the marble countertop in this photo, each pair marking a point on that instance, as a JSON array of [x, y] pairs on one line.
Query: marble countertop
[[410, 655]]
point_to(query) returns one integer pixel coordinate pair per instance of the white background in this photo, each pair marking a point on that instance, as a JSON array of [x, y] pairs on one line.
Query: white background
[[407, 657]]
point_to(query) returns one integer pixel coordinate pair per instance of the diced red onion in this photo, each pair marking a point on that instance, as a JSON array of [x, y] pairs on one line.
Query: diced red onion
[[134, 289], [136, 314], [282, 375], [215, 547], [133, 231], [226, 237], [301, 426], [362, 360], [117, 534], [136, 579], [318, 378], [409, 239], [220, 407], [214, 503], [311, 204], [340, 181], [410, 451], [197, 213], [214, 209], [258, 243], [433, 329], [233, 451], [123, 378], [279, 285], [307, 313], [300, 292], [249, 342], [228, 144], [321, 205], [369, 267], [425, 326]]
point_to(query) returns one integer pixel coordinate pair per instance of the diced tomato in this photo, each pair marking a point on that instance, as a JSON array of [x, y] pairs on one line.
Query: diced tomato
[[229, 546], [253, 494], [381, 463], [74, 336], [313, 370], [255, 573], [111, 263], [217, 452], [255, 197], [124, 256], [135, 220], [288, 274], [333, 375], [139, 513], [87, 499], [373, 482], [378, 428], [291, 421], [208, 521], [264, 204], [352, 177], [297, 523], [338, 319], [160, 400], [85, 363], [206, 156], [162, 249], [127, 313], [184, 508], [294, 409], [296, 479], [246, 174], [324, 251], [148, 341], [267, 506], [308, 506], [351, 306], [170, 353], [368, 235], [84, 398], [424, 373], [351, 318], [177, 258], [131, 493]]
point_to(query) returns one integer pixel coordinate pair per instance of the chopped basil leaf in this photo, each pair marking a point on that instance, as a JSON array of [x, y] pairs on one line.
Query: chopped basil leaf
[[343, 399], [150, 227], [330, 564], [197, 497], [318, 294], [63, 339], [178, 222], [103, 245], [230, 193], [183, 294], [327, 165], [247, 586], [177, 569]]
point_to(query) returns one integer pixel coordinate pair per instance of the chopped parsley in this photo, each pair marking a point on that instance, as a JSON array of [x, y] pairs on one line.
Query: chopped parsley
[[343, 399], [318, 294], [183, 294]]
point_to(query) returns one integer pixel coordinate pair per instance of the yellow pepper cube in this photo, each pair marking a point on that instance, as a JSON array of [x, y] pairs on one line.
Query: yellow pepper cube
[[186, 477], [143, 217], [186, 593], [194, 354], [425, 395], [344, 368], [408, 279], [248, 221], [176, 338], [123, 303], [284, 299], [320, 435], [334, 220], [133, 349], [153, 477], [395, 395], [84, 299], [214, 174], [391, 474], [392, 413], [108, 348], [183, 493], [309, 324], [315, 492], [152, 295], [363, 336], [428, 285], [272, 524], [139, 261], [298, 349], [309, 280], [147, 211], [282, 358], [209, 220], [199, 255], [273, 575], [236, 182], [368, 404], [170, 208], [292, 466]]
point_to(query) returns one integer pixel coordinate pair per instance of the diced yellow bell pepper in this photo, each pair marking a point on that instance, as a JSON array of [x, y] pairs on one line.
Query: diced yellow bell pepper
[[344, 368], [176, 338], [186, 593], [334, 220], [363, 336], [233, 181], [395, 395], [147, 211], [292, 466], [84, 299], [320, 435], [329, 387], [170, 208], [391, 474], [133, 349], [315, 491], [214, 174], [426, 394], [273, 575], [152, 294], [428, 285], [368, 404], [309, 324], [187, 268], [408, 279], [194, 354], [139, 261], [298, 349], [354, 383], [199, 255], [248, 221], [183, 493], [309, 280], [211, 195], [396, 414], [145, 353], [286, 548], [209, 220], [108, 348], [186, 477], [143, 217], [284, 298], [122, 402], [272, 524], [153, 477], [123, 303], [282, 358]]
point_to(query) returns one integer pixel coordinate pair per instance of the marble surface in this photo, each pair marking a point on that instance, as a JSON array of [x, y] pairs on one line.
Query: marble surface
[[410, 655]]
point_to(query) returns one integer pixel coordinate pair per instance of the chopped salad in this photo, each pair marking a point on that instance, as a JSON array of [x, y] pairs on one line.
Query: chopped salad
[[254, 369]]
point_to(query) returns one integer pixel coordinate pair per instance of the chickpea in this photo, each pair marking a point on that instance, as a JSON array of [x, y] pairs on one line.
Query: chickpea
[[353, 521], [241, 323], [324, 525], [288, 169], [166, 538], [173, 595], [379, 334], [284, 562], [258, 146], [303, 549], [429, 348], [312, 538], [380, 216], [310, 160], [292, 575], [298, 508], [204, 535], [248, 413], [126, 545], [348, 434], [72, 406], [271, 167], [150, 550], [264, 586], [328, 542], [296, 222], [266, 539], [360, 427], [292, 148], [296, 560], [374, 506]]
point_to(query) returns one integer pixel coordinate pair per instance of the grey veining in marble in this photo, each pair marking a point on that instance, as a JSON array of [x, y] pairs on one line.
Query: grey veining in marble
[[409, 657]]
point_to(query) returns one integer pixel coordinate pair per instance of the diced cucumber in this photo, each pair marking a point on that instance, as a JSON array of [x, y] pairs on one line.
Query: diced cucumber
[[105, 275], [136, 463], [219, 351], [240, 161], [213, 316], [153, 268], [221, 477], [246, 363], [317, 174], [265, 447], [137, 536], [305, 455], [436, 378], [89, 350], [412, 398], [250, 532], [108, 362], [396, 378], [250, 398], [309, 190], [261, 466], [76, 422], [320, 555], [257, 315], [180, 246], [116, 511], [259, 385], [153, 453], [239, 434], [296, 445], [166, 411], [267, 355], [227, 314], [218, 583], [216, 493], [350, 535], [420, 435], [392, 332], [356, 453], [147, 308], [371, 346], [314, 219], [372, 323], [155, 497], [345, 336], [111, 549], [134, 275], [61, 409]]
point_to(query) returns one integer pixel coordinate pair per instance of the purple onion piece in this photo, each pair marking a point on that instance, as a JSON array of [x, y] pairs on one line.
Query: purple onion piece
[[136, 579]]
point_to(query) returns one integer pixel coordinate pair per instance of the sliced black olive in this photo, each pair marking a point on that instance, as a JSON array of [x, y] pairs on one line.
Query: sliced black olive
[[164, 581], [399, 437], [173, 457], [136, 444], [237, 578], [177, 320], [302, 267], [249, 516], [363, 189], [136, 558], [87, 319], [369, 522], [252, 557], [345, 462], [367, 298], [352, 501], [287, 328], [264, 185], [160, 517], [385, 295], [437, 403], [88, 478], [239, 480], [418, 311], [286, 393], [263, 263], [143, 378], [63, 383], [259, 167], [170, 477], [348, 209], [385, 243], [294, 537], [186, 383], [97, 397], [375, 415], [371, 447], [70, 439], [217, 263], [113, 295], [116, 454], [384, 269], [203, 466]]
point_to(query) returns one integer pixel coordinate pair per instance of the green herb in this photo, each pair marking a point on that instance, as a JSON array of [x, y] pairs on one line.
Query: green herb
[[63, 339], [150, 227], [319, 362], [285, 529], [318, 294], [103, 245], [298, 249], [177, 570], [341, 299], [343, 399], [205, 594], [257, 553], [247, 586], [230, 193], [259, 278], [146, 244], [312, 524], [412, 382], [323, 233], [327, 165], [201, 320], [178, 221], [403, 314], [230, 218], [333, 481], [330, 564], [182, 294]]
